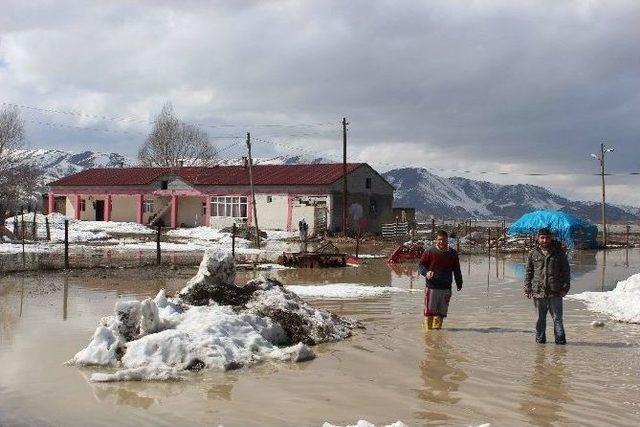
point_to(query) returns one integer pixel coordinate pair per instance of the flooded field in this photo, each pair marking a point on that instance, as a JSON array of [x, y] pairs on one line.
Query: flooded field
[[483, 367]]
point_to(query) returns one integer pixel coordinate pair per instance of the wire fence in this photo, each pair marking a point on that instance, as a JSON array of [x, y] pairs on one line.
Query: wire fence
[[31, 245]]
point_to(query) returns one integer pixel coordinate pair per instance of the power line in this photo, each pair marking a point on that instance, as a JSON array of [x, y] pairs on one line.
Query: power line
[[461, 171], [130, 132], [132, 119]]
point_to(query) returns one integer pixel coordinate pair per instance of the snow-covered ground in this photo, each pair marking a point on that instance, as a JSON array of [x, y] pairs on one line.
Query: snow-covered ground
[[365, 423], [622, 303], [343, 291], [138, 237]]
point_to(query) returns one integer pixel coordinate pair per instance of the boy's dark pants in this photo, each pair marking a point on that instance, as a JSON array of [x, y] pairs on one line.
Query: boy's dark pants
[[552, 305]]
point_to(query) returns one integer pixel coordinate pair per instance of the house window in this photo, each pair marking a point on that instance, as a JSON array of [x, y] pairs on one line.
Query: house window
[[83, 205], [367, 183], [164, 185], [229, 206], [147, 206], [269, 199]]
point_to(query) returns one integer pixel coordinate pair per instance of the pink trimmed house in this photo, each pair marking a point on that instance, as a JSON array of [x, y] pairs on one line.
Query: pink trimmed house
[[219, 196]]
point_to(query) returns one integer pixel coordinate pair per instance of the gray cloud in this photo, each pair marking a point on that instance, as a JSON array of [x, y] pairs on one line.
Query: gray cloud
[[528, 86]]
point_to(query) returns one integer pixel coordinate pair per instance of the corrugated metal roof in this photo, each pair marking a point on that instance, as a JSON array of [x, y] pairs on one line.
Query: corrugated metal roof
[[311, 174]]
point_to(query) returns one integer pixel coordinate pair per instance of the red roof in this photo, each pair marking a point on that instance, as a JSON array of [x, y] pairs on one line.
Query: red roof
[[312, 174]]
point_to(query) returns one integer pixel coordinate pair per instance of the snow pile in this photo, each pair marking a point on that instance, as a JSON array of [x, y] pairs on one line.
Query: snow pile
[[79, 231], [210, 324], [112, 227], [281, 235], [365, 423], [343, 290], [622, 303], [200, 233]]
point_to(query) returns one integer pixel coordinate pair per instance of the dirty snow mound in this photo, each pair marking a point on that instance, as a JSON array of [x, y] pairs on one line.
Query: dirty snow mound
[[211, 324], [622, 303]]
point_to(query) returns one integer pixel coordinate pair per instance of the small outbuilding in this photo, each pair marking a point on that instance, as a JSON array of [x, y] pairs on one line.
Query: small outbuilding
[[567, 228]]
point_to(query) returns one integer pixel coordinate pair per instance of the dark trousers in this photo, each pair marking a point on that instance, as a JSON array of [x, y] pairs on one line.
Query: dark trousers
[[552, 305]]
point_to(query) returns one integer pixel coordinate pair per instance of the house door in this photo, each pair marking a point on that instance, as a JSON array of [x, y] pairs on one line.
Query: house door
[[99, 210], [320, 219]]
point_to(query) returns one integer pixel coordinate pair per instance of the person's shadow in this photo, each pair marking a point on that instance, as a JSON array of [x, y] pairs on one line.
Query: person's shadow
[[543, 399], [442, 375]]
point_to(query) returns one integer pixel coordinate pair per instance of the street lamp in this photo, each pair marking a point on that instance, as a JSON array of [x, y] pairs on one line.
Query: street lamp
[[603, 150]]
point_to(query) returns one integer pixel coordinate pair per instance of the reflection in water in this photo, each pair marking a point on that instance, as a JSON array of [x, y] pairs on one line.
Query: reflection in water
[[65, 297], [441, 373], [604, 267], [8, 315], [543, 400]]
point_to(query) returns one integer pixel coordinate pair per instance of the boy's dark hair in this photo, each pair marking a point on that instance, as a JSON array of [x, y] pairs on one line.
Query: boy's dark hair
[[545, 231], [441, 233]]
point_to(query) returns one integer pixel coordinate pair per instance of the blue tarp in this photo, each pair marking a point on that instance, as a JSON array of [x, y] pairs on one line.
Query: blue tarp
[[567, 228]]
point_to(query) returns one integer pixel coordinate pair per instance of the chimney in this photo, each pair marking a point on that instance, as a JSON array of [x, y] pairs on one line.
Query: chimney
[[181, 163]]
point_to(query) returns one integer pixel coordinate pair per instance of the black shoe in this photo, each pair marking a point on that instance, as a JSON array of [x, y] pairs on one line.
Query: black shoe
[[563, 342], [541, 341]]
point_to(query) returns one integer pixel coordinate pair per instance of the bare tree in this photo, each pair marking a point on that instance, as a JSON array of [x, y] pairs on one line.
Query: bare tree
[[11, 134], [175, 143], [17, 183]]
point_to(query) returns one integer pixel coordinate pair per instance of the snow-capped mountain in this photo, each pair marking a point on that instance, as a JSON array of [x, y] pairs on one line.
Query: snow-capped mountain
[[415, 187], [57, 163], [457, 197]]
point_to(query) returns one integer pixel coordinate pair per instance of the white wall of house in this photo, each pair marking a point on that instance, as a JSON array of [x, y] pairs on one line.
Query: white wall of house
[[190, 211], [272, 211], [124, 208]]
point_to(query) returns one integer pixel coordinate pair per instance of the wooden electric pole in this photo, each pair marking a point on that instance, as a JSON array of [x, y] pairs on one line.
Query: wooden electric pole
[[253, 194], [600, 157], [604, 218], [344, 176]]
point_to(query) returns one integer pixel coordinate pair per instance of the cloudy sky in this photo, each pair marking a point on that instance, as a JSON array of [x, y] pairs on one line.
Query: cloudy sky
[[486, 86]]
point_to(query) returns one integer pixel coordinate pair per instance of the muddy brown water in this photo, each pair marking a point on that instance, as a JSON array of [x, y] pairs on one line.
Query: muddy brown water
[[483, 367]]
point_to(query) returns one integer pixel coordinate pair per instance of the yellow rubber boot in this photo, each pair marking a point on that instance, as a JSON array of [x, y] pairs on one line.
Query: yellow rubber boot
[[427, 323], [437, 322]]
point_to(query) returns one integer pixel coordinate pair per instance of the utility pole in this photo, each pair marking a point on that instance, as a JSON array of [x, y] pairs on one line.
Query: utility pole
[[603, 149], [253, 194], [344, 176]]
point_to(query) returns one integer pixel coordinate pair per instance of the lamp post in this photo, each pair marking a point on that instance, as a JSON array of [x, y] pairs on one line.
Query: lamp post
[[600, 157]]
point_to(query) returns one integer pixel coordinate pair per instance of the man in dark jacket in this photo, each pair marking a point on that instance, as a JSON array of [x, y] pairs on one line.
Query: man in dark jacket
[[439, 264], [547, 281]]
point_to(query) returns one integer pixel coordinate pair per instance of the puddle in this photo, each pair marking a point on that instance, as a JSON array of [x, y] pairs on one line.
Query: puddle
[[483, 367]]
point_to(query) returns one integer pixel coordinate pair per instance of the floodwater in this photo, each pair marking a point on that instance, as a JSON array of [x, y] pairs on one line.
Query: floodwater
[[483, 367]]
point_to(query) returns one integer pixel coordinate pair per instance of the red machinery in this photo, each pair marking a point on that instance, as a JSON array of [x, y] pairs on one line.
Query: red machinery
[[406, 252]]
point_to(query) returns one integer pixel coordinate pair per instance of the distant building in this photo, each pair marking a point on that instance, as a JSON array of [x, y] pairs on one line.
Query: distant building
[[407, 215], [219, 196]]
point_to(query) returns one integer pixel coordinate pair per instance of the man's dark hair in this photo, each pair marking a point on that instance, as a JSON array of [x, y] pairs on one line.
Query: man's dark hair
[[441, 233], [545, 231]]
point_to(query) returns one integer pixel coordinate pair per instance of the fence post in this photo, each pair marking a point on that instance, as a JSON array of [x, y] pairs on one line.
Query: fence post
[[24, 262], [34, 227], [628, 229], [489, 241], [158, 253], [46, 224], [433, 228], [233, 240], [66, 244], [15, 224]]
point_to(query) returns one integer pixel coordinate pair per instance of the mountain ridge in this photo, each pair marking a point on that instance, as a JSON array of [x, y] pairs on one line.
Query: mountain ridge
[[429, 194]]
